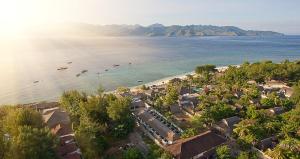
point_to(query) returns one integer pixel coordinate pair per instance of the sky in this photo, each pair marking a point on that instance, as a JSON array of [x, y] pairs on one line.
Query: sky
[[276, 15]]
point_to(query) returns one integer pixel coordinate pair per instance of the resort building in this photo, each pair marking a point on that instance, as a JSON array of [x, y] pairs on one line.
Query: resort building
[[226, 126], [157, 125], [200, 146], [59, 123]]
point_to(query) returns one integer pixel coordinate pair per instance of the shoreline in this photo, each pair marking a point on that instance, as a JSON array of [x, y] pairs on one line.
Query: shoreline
[[180, 76]]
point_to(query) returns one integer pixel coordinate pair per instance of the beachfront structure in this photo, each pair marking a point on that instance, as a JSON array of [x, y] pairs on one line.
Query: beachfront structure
[[59, 123], [157, 125], [200, 146]]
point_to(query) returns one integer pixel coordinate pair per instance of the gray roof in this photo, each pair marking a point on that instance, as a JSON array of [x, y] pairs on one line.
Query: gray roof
[[230, 122]]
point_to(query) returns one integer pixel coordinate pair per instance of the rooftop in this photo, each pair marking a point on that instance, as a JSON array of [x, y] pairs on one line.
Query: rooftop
[[194, 146]]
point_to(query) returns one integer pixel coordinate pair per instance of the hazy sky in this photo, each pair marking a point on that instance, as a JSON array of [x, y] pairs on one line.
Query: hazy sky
[[276, 15]]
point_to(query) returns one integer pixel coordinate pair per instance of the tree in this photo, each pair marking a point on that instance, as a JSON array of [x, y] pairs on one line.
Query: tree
[[296, 93], [132, 153], [172, 94], [16, 118], [205, 69], [189, 133], [88, 135], [33, 143], [70, 101], [119, 109], [122, 89], [223, 152], [219, 111]]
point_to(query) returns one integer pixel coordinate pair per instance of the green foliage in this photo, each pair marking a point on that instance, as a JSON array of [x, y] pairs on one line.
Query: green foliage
[[21, 117], [23, 135], [249, 131], [296, 93], [122, 89], [98, 118], [132, 153], [287, 148], [172, 95], [70, 101], [223, 152], [119, 109], [247, 155], [205, 69], [189, 133], [33, 143], [219, 111]]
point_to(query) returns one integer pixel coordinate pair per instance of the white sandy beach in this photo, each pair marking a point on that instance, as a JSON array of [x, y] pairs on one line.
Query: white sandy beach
[[180, 76]]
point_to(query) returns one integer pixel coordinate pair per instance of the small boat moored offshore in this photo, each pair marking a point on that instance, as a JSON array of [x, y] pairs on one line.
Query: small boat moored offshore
[[70, 62], [115, 65], [78, 75], [140, 81], [62, 68], [84, 71], [36, 81]]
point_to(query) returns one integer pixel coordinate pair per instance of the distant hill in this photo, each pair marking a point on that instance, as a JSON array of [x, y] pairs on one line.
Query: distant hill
[[161, 30]]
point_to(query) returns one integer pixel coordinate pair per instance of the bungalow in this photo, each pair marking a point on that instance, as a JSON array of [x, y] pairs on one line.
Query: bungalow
[[200, 146], [276, 110], [267, 143], [188, 102], [226, 126], [54, 116], [59, 123], [275, 84]]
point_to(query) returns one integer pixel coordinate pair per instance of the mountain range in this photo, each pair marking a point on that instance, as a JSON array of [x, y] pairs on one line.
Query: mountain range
[[161, 30]]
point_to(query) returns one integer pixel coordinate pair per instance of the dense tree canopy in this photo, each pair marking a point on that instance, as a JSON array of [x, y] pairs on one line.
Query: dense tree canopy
[[24, 135]]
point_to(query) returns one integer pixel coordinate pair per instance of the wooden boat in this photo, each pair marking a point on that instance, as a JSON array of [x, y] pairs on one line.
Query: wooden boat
[[36, 81], [70, 62], [84, 71], [62, 68], [140, 81], [78, 75], [116, 65], [106, 69]]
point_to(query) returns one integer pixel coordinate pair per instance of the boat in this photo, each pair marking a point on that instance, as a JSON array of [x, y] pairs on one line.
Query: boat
[[106, 69], [115, 65], [36, 81], [70, 62], [140, 81], [84, 71], [78, 75], [62, 68], [129, 63]]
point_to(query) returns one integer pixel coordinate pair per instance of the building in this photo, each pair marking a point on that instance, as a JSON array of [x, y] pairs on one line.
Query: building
[[276, 110], [226, 126], [188, 102], [157, 125], [200, 146], [59, 123]]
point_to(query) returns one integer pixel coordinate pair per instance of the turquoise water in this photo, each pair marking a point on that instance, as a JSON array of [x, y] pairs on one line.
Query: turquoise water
[[26, 60]]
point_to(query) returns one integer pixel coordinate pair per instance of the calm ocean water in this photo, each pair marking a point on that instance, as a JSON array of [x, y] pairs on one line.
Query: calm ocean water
[[26, 60]]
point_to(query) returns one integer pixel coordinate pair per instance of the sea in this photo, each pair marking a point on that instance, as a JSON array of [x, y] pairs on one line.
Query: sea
[[29, 65]]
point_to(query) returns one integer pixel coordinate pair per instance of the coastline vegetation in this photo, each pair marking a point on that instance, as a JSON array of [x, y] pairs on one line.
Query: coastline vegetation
[[101, 119]]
